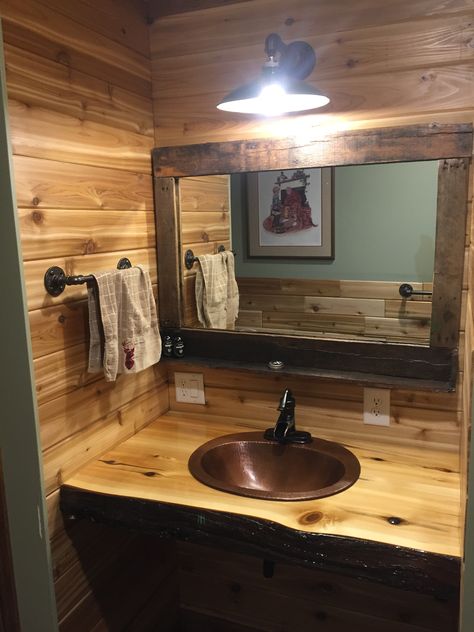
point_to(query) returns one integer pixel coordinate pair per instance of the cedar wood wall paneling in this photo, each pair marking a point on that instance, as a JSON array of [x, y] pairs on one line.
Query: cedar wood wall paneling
[[81, 125], [205, 225], [369, 310], [410, 62]]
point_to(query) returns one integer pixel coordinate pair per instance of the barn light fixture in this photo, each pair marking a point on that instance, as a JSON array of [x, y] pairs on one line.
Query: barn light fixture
[[280, 88]]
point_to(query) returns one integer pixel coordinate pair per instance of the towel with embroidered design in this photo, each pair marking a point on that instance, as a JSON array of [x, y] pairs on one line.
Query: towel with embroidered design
[[123, 323]]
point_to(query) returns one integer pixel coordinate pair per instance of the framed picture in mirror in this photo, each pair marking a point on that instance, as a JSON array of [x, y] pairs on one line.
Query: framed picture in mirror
[[290, 213]]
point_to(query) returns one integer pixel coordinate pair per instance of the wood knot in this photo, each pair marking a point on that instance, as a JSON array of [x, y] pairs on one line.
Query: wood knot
[[430, 76], [289, 21], [63, 58], [312, 517], [205, 237], [89, 247], [61, 318], [149, 474], [352, 63], [37, 217], [395, 521], [36, 201]]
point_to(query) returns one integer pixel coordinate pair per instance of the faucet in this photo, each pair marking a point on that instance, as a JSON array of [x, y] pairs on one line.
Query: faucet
[[285, 430]]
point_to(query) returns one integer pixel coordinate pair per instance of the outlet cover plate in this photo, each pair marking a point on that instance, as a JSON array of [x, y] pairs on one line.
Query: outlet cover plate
[[377, 406], [189, 388]]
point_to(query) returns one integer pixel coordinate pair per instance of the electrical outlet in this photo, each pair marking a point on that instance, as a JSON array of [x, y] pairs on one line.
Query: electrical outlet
[[189, 388], [377, 406]]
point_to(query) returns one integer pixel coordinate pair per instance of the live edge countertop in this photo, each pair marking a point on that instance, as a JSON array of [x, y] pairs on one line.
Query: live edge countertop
[[399, 524]]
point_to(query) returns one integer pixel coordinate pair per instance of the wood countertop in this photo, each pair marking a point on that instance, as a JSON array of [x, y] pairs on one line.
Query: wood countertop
[[398, 525]]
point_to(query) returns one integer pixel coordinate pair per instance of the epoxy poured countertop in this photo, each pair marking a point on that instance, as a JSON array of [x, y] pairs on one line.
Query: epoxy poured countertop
[[405, 497]]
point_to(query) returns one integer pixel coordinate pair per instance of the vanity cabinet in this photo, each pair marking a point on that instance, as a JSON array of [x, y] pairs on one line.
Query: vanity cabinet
[[383, 554]]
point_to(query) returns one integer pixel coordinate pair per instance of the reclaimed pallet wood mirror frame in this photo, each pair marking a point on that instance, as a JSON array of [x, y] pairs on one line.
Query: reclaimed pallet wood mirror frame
[[384, 364]]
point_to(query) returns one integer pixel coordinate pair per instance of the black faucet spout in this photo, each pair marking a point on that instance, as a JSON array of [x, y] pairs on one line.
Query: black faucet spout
[[284, 430]]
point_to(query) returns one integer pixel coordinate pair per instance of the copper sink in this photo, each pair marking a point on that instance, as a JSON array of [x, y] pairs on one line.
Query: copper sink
[[249, 465]]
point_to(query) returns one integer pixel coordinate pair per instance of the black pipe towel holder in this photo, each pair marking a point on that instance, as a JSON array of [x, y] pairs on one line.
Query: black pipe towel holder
[[406, 290], [190, 259], [55, 279]]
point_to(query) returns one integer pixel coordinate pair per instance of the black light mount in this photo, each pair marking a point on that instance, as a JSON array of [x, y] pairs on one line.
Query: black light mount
[[296, 60]]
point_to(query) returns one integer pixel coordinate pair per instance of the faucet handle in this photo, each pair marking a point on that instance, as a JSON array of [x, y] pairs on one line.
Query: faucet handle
[[286, 400]]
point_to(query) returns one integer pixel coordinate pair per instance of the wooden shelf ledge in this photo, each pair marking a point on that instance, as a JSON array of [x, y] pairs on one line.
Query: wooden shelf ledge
[[144, 484]]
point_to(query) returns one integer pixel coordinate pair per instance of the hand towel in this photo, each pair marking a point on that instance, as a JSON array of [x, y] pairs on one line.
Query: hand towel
[[217, 294], [123, 319], [232, 290]]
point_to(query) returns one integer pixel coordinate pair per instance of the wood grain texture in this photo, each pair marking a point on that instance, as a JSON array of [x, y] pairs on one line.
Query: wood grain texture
[[123, 22], [418, 420], [204, 222], [435, 41], [42, 133], [232, 588], [323, 308], [417, 492], [215, 30], [389, 364], [449, 259], [50, 184], [35, 27], [75, 411], [77, 449], [168, 250], [47, 234], [158, 10], [343, 148], [46, 84]]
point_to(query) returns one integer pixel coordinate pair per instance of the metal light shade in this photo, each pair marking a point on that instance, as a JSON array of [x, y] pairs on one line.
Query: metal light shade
[[280, 88], [273, 99]]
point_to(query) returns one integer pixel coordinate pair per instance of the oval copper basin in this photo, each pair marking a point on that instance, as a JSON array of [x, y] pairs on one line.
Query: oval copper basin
[[248, 465]]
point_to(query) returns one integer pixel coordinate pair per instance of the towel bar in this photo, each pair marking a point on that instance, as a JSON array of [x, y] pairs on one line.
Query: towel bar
[[55, 279], [190, 259], [406, 290]]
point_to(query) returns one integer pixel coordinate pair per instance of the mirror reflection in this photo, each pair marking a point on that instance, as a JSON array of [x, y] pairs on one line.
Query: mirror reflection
[[370, 228]]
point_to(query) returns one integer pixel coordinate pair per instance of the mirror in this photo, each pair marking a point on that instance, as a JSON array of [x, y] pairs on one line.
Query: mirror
[[376, 225], [355, 159]]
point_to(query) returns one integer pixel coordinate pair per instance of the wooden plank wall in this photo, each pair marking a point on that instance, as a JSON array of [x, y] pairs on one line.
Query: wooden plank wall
[[419, 420], [410, 62], [205, 225], [81, 122], [349, 309]]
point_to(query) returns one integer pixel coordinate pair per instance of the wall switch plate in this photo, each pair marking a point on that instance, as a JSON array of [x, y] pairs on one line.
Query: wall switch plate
[[377, 406], [189, 388]]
